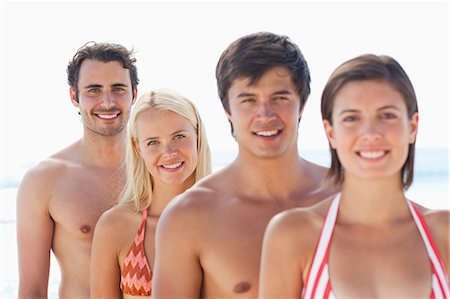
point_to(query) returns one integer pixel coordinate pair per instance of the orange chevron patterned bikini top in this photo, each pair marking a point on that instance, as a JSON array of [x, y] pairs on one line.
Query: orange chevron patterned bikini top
[[136, 276]]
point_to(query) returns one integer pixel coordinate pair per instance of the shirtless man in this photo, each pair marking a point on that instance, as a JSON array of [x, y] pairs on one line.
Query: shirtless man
[[209, 239], [61, 198]]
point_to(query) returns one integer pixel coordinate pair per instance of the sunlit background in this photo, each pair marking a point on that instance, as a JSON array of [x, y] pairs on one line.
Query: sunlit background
[[177, 46]]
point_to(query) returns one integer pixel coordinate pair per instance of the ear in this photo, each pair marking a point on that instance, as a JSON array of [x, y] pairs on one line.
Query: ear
[[135, 93], [73, 97], [330, 133], [413, 126]]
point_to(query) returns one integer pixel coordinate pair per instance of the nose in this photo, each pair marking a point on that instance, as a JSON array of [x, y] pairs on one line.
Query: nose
[[371, 130], [265, 111], [107, 100], [169, 150]]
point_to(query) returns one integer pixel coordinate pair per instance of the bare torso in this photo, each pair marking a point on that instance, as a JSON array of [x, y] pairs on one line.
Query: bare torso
[[223, 228], [64, 197], [79, 198]]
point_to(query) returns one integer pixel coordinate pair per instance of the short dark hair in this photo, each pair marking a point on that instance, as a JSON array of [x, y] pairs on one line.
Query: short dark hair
[[362, 68], [104, 52], [251, 56]]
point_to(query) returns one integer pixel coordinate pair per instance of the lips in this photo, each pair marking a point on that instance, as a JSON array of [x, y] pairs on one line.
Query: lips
[[374, 154], [172, 166], [267, 133], [107, 116]]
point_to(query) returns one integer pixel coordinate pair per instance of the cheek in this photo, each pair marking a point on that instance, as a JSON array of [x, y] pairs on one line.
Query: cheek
[[149, 158], [344, 139], [191, 151]]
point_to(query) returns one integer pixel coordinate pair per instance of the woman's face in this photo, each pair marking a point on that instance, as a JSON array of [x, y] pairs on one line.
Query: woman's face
[[371, 131], [168, 144]]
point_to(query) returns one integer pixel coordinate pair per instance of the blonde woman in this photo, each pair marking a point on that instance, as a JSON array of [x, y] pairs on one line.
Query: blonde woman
[[369, 241], [167, 153]]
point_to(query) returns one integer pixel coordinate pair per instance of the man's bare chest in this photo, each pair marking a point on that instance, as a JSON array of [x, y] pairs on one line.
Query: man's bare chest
[[77, 202]]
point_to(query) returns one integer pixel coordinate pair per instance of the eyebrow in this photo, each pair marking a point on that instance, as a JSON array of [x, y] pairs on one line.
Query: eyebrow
[[174, 133], [389, 107], [248, 94], [379, 109], [95, 85], [119, 85]]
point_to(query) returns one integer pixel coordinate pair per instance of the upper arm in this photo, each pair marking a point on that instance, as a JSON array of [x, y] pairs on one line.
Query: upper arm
[[105, 269], [34, 234], [280, 272], [177, 270]]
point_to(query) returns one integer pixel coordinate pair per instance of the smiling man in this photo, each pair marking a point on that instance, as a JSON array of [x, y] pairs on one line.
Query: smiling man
[[60, 199], [209, 239]]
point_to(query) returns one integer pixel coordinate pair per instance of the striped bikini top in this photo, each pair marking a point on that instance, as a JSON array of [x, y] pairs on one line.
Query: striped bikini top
[[136, 276], [318, 280]]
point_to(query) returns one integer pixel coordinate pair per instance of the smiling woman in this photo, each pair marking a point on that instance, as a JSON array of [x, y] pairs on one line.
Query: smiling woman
[[167, 153], [372, 109], [353, 245]]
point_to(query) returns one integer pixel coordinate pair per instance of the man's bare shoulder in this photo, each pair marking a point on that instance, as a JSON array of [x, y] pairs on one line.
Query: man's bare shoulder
[[206, 193], [197, 203], [55, 163], [43, 176]]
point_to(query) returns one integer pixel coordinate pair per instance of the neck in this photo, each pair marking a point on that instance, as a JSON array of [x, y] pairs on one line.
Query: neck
[[373, 201], [103, 151], [271, 178], [163, 194]]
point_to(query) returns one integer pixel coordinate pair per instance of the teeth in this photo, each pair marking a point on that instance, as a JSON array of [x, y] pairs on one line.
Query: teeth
[[372, 155], [107, 116], [172, 166], [267, 133]]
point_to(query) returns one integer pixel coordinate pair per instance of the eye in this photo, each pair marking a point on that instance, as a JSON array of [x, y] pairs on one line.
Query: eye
[[152, 142], [179, 137], [119, 89], [350, 118], [280, 98], [94, 90], [388, 116], [248, 100]]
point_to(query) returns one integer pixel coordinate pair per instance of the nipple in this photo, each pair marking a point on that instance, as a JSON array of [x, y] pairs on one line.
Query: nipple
[[242, 287], [85, 228]]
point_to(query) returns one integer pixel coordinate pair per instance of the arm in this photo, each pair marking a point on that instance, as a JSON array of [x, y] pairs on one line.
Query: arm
[[177, 270], [281, 273], [105, 269], [34, 235]]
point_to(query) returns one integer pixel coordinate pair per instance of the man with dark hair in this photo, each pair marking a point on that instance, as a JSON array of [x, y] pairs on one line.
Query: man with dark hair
[[61, 198], [209, 239]]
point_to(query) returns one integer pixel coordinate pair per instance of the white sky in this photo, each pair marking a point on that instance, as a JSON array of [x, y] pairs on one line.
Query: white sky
[[178, 45]]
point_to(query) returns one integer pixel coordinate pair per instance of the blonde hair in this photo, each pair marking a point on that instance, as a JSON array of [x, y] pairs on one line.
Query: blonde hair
[[139, 184]]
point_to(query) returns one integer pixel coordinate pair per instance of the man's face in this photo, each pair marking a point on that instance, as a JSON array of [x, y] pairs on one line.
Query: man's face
[[105, 96], [265, 115]]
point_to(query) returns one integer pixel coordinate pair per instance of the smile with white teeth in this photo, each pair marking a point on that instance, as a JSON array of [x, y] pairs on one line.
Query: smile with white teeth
[[107, 116], [371, 154], [267, 133], [172, 166]]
